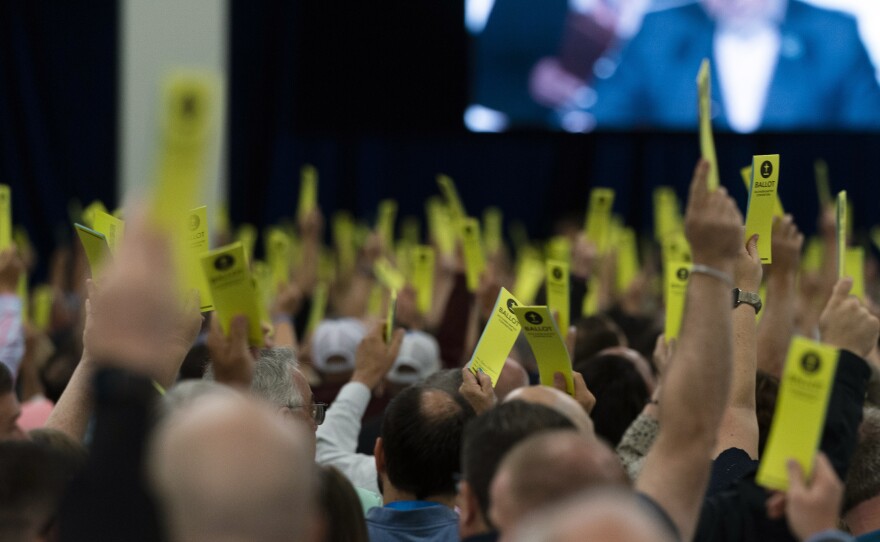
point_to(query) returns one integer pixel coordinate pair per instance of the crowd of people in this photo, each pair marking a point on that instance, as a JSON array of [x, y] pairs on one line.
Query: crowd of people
[[134, 416]]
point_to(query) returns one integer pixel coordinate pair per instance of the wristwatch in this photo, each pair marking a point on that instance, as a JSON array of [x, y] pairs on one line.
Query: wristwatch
[[749, 298]]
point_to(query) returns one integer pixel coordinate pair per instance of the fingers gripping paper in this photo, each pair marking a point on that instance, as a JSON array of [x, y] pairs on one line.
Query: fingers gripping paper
[[232, 288], [547, 344]]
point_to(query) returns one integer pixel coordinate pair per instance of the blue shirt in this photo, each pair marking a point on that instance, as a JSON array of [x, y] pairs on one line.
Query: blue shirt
[[873, 536], [401, 522]]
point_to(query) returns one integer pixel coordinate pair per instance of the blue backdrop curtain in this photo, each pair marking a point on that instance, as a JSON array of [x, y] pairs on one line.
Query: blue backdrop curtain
[[57, 110]]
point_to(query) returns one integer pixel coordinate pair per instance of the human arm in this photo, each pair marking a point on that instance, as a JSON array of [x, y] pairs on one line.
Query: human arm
[[676, 469], [777, 326], [337, 437], [739, 426], [134, 320]]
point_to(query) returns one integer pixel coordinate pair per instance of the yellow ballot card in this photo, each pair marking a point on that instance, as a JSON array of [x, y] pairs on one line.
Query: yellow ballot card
[[374, 303], [855, 268], [598, 224], [590, 304], [676, 248], [189, 113], [762, 196], [707, 140], [194, 244], [22, 293], [308, 190], [841, 233], [278, 256], [391, 317], [667, 215], [385, 218], [547, 344], [318, 308], [247, 236], [343, 240], [823, 188], [492, 229], [472, 245], [557, 293], [804, 390], [498, 336], [440, 227], [96, 248], [233, 289], [423, 258], [559, 248], [410, 231], [42, 300], [388, 275], [677, 274], [88, 214], [627, 259], [112, 228], [813, 255], [746, 174], [5, 216], [450, 193], [529, 276]]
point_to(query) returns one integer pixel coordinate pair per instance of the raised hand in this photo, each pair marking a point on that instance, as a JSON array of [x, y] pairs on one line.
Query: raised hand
[[846, 323], [713, 224], [231, 358], [477, 390], [374, 358], [786, 244]]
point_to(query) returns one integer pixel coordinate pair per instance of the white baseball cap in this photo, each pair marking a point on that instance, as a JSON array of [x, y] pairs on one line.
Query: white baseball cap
[[419, 357], [336, 339]]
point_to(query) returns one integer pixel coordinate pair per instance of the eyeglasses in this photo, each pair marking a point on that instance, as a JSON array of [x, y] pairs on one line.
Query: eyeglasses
[[318, 410]]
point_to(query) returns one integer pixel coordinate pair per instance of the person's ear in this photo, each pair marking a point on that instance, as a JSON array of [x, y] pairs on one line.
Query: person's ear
[[379, 454], [469, 508]]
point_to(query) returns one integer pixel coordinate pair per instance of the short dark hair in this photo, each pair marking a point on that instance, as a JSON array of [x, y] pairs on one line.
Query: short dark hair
[[34, 480], [341, 507], [421, 437], [489, 436], [6, 383], [620, 390]]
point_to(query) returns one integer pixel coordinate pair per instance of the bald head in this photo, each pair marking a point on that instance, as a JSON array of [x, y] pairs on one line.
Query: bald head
[[512, 376], [603, 515], [557, 400], [227, 468], [546, 468]]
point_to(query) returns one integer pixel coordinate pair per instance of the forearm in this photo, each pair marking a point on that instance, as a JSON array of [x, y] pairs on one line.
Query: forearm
[[358, 295], [696, 386], [338, 435], [777, 325], [285, 335], [739, 424], [453, 331], [311, 259], [71, 413]]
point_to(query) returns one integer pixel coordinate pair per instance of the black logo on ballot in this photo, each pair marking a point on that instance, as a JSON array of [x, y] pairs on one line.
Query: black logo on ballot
[[534, 318], [194, 222], [810, 362], [557, 273], [766, 169], [224, 262], [511, 303], [682, 273]]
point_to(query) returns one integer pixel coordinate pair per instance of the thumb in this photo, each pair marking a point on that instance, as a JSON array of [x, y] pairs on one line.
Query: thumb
[[559, 381], [467, 376], [238, 331], [795, 475], [841, 289], [485, 381], [752, 247]]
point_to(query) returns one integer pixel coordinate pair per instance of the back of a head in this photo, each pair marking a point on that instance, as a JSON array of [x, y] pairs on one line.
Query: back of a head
[[546, 468], [448, 380], [620, 390], [421, 439], [228, 468], [604, 515], [273, 377], [492, 434], [33, 478], [863, 477], [594, 334], [559, 401], [185, 392], [341, 508]]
